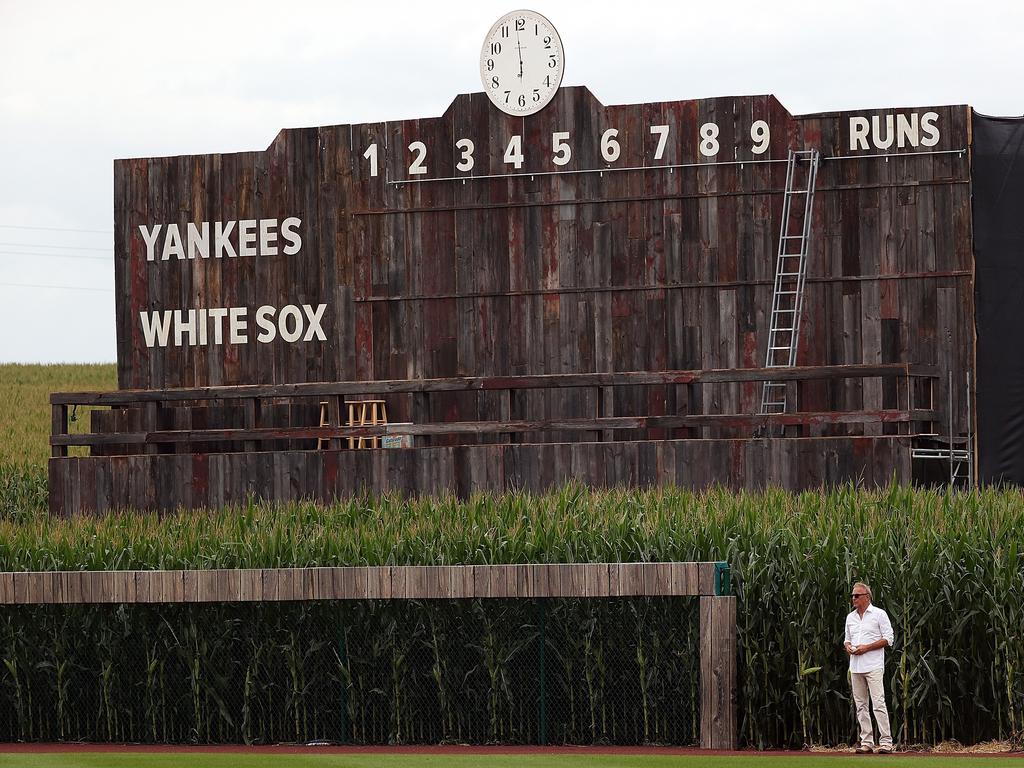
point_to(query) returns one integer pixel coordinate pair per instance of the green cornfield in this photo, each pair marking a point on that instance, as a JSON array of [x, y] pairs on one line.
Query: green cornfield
[[946, 566], [354, 672]]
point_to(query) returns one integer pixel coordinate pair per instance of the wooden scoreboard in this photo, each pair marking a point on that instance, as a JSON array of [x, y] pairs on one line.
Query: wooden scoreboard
[[572, 291], [583, 238]]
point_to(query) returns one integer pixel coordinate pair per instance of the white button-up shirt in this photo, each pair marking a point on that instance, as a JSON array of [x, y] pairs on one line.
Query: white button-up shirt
[[866, 629]]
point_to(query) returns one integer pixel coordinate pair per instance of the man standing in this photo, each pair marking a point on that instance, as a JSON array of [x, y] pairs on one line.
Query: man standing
[[868, 633]]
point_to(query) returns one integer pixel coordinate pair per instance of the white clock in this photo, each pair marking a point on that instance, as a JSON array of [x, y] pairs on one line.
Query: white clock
[[521, 63]]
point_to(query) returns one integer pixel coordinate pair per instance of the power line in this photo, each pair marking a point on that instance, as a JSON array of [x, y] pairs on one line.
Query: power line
[[62, 247], [58, 229], [57, 287], [78, 256]]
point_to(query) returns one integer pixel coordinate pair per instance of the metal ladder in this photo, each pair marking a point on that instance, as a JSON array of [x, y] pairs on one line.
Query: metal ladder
[[790, 273]]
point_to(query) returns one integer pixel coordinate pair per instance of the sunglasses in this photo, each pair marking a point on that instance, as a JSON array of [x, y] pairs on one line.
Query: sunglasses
[[859, 594]]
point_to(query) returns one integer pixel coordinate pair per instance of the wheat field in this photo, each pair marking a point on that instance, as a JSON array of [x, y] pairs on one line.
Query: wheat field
[[25, 405]]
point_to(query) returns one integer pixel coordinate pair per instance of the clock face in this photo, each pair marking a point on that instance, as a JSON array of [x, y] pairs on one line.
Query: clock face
[[521, 63]]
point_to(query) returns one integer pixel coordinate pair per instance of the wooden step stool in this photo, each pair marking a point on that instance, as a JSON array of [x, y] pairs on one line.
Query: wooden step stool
[[325, 421], [363, 413]]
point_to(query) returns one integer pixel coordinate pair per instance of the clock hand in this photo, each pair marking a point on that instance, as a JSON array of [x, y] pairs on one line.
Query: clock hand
[[519, 50]]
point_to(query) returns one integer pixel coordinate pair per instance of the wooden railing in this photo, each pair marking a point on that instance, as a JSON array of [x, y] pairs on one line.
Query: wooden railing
[[252, 397], [380, 582]]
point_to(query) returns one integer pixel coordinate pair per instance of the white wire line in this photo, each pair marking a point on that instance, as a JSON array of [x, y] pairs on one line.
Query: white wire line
[[56, 287], [54, 245], [58, 229], [108, 259]]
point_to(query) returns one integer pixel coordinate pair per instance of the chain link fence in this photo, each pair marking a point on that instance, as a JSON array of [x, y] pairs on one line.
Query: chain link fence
[[552, 671]]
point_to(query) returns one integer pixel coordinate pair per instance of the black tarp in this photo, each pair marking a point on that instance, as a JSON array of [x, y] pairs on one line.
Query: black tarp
[[998, 207]]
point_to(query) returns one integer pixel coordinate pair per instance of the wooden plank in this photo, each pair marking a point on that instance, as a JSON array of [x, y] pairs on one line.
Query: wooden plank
[[70, 589], [463, 583], [92, 587], [718, 672], [305, 585], [631, 579], [202, 586], [470, 383], [44, 588], [525, 586], [448, 580], [591, 576], [706, 578], [657, 579], [416, 582], [397, 582], [481, 581], [351, 583], [250, 585], [271, 582], [81, 586], [107, 587], [614, 579], [323, 584], [287, 587], [708, 684], [400, 587], [123, 587], [495, 579], [190, 586], [58, 427], [537, 578], [547, 579], [545, 462], [144, 586], [574, 579], [378, 583]]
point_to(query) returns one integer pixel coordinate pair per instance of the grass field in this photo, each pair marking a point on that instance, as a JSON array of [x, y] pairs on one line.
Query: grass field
[[197, 759], [25, 405]]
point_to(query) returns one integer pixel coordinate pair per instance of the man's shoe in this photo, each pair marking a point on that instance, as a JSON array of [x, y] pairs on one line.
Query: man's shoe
[[885, 750], [862, 750]]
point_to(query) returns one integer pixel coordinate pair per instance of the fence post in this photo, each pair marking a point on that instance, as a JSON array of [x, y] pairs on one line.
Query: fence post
[[58, 426], [543, 714], [717, 670], [346, 736]]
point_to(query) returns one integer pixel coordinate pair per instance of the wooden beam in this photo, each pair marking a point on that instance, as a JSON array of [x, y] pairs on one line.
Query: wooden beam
[[58, 427], [472, 383], [399, 582], [736, 421]]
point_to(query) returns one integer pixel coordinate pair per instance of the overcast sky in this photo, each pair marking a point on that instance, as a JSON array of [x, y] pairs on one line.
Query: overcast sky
[[84, 83]]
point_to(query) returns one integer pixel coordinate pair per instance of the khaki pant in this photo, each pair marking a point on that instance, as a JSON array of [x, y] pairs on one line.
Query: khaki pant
[[867, 684]]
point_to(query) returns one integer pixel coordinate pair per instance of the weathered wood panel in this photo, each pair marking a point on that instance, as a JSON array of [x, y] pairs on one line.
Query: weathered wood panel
[[718, 672], [389, 582], [796, 463]]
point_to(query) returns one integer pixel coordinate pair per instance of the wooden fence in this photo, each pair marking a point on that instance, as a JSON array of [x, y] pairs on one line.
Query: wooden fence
[[140, 463], [707, 581], [148, 435]]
